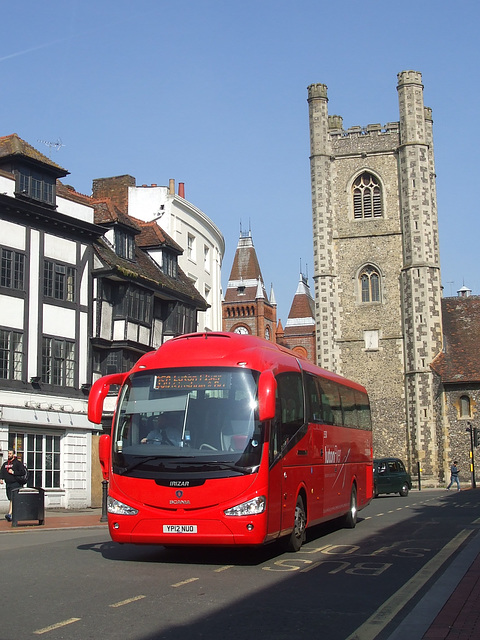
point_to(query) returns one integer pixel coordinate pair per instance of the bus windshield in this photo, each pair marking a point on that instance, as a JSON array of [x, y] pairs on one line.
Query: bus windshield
[[189, 413]]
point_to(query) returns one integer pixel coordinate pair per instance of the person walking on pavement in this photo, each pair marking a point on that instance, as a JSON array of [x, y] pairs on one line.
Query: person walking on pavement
[[454, 476], [11, 472]]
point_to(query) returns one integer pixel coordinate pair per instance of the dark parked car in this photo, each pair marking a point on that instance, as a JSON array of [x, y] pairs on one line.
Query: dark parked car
[[390, 476]]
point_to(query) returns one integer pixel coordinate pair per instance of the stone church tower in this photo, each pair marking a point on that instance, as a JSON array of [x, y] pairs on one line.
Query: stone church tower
[[377, 268], [246, 308]]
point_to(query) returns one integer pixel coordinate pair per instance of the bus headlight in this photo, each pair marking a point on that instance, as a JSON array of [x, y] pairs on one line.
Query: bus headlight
[[250, 508], [119, 508]]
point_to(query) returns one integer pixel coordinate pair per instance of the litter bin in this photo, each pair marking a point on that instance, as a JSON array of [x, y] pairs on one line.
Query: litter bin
[[28, 503]]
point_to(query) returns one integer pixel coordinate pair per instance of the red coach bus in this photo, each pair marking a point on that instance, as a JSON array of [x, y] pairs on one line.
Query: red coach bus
[[225, 439]]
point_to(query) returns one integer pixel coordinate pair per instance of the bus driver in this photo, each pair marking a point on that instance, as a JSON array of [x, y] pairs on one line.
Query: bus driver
[[162, 432]]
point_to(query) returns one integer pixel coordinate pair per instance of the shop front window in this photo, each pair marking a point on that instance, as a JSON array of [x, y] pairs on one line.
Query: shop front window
[[41, 454]]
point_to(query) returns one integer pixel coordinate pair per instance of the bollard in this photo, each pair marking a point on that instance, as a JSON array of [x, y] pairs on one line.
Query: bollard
[[104, 517], [419, 476]]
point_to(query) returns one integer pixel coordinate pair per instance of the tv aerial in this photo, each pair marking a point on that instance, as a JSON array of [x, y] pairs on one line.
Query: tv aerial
[[57, 145]]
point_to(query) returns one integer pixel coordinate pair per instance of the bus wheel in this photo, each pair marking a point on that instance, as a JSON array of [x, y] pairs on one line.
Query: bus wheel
[[297, 537], [350, 519]]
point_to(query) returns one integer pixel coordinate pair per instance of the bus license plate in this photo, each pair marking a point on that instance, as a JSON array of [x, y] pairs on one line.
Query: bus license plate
[[179, 528]]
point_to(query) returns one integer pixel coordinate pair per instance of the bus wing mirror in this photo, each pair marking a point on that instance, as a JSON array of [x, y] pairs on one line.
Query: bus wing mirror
[[104, 454], [98, 393], [267, 387]]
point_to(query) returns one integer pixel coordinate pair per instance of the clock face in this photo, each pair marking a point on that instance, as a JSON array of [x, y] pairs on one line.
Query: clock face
[[242, 330]]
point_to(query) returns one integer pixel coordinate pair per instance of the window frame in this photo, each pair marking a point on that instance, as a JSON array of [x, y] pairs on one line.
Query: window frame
[[465, 402], [36, 186], [133, 304], [43, 462], [169, 264], [124, 244], [12, 269], [59, 281], [367, 198], [13, 363], [58, 364], [180, 319], [368, 293]]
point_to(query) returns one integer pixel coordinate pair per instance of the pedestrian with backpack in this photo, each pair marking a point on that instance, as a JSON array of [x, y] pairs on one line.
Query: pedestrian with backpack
[[12, 473]]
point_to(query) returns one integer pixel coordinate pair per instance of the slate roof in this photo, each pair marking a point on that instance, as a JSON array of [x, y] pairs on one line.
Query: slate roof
[[459, 362], [245, 272], [13, 145], [301, 319]]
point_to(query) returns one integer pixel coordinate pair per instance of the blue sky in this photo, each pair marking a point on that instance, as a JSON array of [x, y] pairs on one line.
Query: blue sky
[[213, 93]]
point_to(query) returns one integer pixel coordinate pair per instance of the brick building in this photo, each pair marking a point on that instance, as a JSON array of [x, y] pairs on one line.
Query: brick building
[[246, 307], [457, 379], [299, 332]]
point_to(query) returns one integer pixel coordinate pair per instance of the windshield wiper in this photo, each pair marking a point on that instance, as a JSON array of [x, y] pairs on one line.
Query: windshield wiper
[[224, 465], [136, 464]]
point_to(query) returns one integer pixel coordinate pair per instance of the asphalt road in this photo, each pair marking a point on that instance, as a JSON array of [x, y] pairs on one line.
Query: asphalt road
[[356, 584]]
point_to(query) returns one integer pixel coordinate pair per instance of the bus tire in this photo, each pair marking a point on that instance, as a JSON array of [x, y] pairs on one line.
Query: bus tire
[[350, 518], [297, 537]]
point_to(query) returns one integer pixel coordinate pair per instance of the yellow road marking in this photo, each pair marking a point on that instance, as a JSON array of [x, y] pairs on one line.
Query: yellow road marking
[[227, 566], [180, 584], [385, 614], [52, 627], [128, 601]]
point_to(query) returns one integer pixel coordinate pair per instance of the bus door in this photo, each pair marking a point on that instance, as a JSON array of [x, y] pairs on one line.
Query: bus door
[[331, 413], [290, 446], [318, 438]]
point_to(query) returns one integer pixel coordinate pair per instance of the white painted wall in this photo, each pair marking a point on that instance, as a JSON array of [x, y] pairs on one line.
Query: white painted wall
[[75, 209], [179, 218]]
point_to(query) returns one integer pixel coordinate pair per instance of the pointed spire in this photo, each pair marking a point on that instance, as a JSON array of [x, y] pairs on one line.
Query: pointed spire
[[245, 277], [273, 301], [260, 290], [302, 311], [280, 332]]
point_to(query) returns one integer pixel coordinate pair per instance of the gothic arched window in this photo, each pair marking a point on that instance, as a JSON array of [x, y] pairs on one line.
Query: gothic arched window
[[367, 197], [370, 284]]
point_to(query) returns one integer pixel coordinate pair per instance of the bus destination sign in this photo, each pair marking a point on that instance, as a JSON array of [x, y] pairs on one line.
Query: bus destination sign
[[186, 381]]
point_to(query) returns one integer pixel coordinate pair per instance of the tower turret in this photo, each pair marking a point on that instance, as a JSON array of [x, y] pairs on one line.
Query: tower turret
[[325, 272], [421, 286]]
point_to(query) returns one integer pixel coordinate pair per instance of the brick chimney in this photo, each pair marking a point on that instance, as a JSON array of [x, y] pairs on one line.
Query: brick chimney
[[115, 188]]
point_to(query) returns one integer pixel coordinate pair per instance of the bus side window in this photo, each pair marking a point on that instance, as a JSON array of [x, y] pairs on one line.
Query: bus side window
[[363, 410], [349, 407], [290, 395], [314, 400], [275, 444], [332, 408]]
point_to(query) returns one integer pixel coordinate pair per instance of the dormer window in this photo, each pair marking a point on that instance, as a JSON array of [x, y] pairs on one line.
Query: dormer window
[[36, 185], [169, 264], [124, 244]]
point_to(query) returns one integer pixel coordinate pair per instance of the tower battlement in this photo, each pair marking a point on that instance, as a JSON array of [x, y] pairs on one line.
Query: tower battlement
[[409, 77], [317, 91], [335, 128]]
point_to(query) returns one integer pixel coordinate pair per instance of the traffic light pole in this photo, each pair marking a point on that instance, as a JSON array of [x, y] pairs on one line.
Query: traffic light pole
[[473, 444]]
